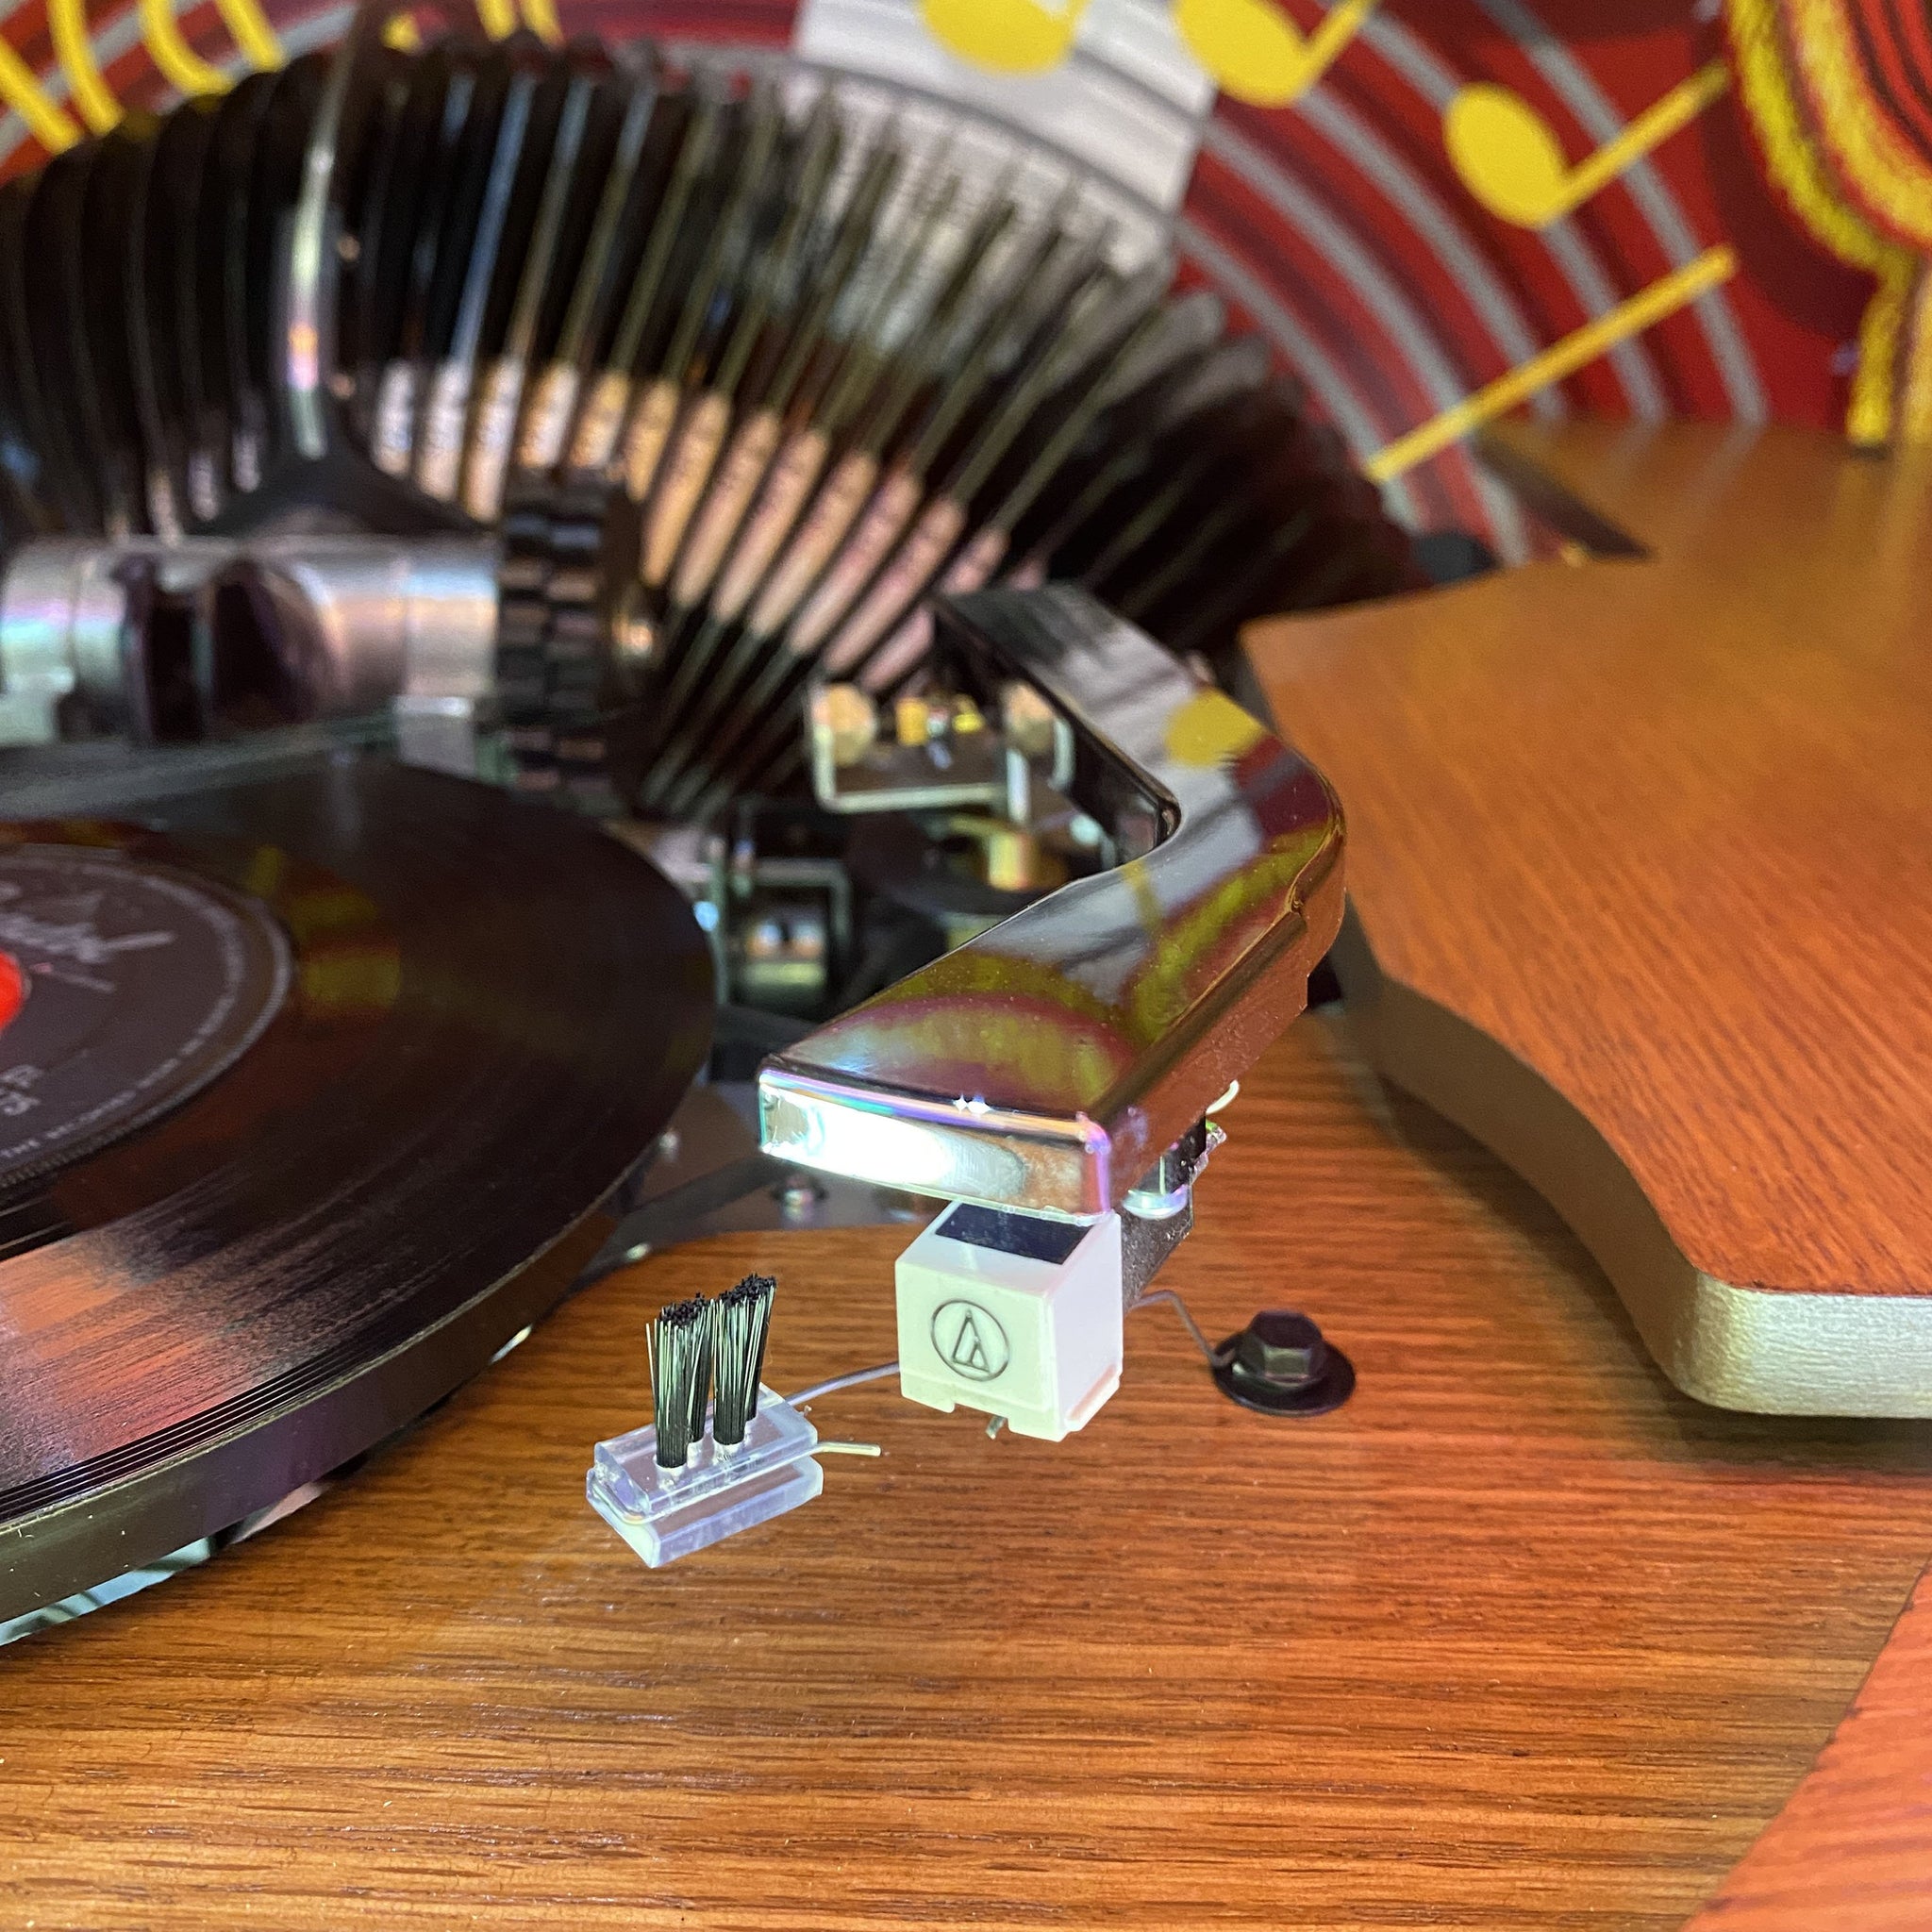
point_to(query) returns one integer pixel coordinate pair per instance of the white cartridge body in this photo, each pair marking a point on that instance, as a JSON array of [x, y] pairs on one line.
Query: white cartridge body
[[1012, 1314]]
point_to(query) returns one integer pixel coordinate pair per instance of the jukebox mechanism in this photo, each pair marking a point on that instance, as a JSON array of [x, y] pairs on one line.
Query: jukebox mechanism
[[847, 500]]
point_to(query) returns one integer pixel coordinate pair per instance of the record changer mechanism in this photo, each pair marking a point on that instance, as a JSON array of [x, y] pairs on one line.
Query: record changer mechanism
[[829, 493]]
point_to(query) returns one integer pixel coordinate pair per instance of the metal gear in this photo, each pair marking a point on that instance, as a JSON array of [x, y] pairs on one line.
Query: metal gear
[[563, 584]]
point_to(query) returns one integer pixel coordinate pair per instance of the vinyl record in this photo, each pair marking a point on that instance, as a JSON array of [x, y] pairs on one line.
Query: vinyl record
[[297, 1079], [26, 506], [386, 237], [222, 276], [839, 349], [161, 321], [111, 286], [55, 306], [274, 178], [617, 252], [511, 180], [431, 250], [359, 112]]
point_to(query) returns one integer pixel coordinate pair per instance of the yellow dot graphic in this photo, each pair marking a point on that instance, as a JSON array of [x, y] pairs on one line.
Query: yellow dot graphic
[[1506, 153], [1008, 36], [1249, 47]]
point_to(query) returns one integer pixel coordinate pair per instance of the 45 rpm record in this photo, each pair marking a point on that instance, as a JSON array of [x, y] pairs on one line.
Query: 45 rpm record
[[125, 987], [297, 1079]]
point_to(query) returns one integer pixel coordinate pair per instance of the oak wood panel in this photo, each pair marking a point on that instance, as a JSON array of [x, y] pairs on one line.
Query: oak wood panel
[[1520, 1638], [1853, 1848], [1663, 828]]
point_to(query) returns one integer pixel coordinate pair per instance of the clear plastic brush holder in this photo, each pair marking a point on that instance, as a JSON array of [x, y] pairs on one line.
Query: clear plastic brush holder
[[666, 1513]]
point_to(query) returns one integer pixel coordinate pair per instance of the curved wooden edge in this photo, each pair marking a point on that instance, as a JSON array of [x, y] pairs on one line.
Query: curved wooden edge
[[1776, 1352], [1852, 1850], [1658, 829]]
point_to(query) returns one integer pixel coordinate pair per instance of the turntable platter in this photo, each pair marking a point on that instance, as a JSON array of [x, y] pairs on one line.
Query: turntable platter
[[297, 1080]]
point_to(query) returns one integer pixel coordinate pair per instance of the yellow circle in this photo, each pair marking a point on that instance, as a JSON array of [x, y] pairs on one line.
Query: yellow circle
[[1506, 153], [1008, 36], [1252, 48]]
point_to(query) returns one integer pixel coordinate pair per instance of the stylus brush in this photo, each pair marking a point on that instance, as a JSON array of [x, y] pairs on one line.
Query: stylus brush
[[681, 1345], [669, 1489], [740, 1325]]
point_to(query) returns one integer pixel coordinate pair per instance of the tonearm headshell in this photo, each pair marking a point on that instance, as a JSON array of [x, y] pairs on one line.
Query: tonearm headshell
[[1056, 1077]]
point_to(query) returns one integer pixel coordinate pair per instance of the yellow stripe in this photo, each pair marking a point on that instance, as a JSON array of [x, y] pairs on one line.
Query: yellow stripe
[[1915, 408], [252, 33], [402, 34], [176, 59], [542, 17], [1765, 86], [1559, 359], [1871, 415], [1329, 41], [1892, 176], [98, 107], [1652, 127], [52, 127], [499, 18]]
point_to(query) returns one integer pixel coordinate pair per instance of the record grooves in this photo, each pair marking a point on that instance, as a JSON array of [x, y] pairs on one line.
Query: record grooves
[[490, 1013]]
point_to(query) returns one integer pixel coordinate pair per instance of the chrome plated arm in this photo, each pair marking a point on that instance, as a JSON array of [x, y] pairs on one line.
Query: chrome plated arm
[[1046, 1065]]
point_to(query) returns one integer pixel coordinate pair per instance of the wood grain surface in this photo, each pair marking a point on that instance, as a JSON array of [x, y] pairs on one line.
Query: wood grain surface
[[1520, 1638], [1664, 829], [1853, 1849]]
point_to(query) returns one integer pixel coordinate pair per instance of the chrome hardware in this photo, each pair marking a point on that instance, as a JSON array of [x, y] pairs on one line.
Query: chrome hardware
[[1047, 1065], [941, 754], [187, 639]]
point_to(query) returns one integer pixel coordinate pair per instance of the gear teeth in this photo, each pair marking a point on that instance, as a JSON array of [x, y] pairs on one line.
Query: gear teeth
[[569, 551]]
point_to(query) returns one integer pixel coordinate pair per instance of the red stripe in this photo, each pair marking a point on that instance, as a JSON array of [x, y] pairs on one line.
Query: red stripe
[[1899, 45]]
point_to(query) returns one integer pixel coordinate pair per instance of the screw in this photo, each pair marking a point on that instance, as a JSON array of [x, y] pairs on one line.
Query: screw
[[1280, 1364], [1284, 1348]]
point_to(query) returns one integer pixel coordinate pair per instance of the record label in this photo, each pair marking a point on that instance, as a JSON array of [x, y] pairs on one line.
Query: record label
[[124, 988]]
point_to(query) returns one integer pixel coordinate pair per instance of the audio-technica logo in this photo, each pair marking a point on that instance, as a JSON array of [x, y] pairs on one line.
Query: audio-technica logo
[[969, 1340]]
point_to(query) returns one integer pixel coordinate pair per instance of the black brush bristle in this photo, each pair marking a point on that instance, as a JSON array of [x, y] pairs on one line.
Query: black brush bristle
[[701, 1379], [680, 1341], [742, 1324]]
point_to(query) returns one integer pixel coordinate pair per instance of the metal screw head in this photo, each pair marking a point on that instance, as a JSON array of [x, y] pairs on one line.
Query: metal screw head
[[1284, 1347], [1280, 1364]]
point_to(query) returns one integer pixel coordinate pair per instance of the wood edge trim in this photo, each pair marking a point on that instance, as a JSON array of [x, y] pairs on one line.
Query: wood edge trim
[[1773, 1352]]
